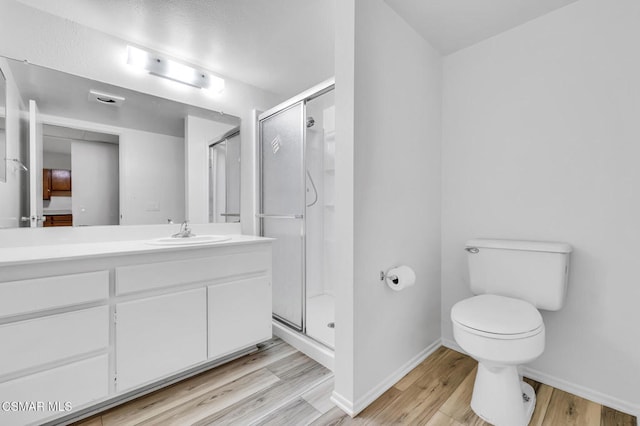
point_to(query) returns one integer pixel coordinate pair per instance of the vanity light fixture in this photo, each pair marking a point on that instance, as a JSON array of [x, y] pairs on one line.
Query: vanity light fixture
[[168, 68]]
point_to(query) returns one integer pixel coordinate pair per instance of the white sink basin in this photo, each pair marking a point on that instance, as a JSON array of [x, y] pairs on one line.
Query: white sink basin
[[190, 241]]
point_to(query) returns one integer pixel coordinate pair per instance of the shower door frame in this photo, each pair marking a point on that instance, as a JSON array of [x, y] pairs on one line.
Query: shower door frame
[[304, 97], [227, 137], [261, 216]]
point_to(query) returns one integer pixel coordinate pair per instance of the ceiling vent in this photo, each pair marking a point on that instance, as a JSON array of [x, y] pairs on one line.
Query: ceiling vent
[[105, 98]]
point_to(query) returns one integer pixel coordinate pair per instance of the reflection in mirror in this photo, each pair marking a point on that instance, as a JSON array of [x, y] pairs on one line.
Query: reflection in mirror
[[80, 177], [224, 178], [123, 151], [3, 133]]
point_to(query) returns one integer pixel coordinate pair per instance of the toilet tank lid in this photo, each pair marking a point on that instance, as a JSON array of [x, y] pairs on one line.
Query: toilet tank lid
[[547, 246]]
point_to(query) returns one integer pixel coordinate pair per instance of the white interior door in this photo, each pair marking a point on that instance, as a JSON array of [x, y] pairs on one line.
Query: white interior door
[[95, 183], [35, 166]]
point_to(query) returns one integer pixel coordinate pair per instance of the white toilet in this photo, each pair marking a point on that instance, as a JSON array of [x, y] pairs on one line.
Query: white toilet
[[501, 327]]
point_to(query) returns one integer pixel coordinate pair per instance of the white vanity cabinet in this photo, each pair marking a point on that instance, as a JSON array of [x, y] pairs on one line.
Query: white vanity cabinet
[[81, 331], [54, 348], [179, 313]]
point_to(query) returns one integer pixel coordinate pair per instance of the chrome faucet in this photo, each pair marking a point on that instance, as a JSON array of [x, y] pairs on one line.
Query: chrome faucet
[[185, 231]]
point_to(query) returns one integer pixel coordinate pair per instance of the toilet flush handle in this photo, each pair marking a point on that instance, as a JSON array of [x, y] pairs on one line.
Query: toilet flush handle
[[472, 250]]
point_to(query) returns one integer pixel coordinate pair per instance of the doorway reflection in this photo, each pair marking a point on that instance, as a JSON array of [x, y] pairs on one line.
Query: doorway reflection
[[80, 178]]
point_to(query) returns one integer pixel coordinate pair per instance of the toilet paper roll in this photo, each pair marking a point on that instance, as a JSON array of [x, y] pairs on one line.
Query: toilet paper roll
[[400, 278]]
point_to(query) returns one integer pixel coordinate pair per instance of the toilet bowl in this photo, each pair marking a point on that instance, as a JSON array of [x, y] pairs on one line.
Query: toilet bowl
[[500, 333], [501, 326]]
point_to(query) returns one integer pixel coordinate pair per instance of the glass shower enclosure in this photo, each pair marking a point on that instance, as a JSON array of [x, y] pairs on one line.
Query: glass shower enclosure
[[224, 178], [297, 173]]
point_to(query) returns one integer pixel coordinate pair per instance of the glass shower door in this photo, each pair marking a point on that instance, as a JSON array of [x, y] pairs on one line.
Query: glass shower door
[[282, 205], [224, 179]]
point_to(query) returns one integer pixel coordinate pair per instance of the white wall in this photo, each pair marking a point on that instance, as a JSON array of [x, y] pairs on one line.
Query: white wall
[[232, 180], [53, 42], [3, 135], [396, 204], [95, 177], [541, 142], [199, 133], [58, 204], [56, 160], [152, 178], [10, 195], [343, 393]]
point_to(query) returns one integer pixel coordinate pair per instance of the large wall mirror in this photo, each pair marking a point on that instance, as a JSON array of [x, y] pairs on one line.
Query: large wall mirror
[[3, 132], [104, 155]]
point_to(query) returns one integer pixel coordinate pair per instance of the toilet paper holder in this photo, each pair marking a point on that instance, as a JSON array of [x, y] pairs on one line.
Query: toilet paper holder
[[393, 278]]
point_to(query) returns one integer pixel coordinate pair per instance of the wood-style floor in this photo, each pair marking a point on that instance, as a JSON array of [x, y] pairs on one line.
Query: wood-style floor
[[438, 393], [280, 386]]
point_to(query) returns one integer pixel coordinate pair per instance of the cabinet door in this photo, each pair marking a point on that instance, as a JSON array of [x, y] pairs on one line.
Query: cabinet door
[[46, 184], [239, 315], [160, 335], [61, 180]]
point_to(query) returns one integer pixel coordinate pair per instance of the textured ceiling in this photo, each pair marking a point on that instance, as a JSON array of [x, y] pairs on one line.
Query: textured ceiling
[[283, 46], [451, 25]]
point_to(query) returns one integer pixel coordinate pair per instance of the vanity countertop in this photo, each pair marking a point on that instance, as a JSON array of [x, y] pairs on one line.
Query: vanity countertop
[[57, 252], [47, 212]]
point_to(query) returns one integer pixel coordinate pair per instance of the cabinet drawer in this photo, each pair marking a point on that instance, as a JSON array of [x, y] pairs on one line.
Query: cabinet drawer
[[38, 341], [19, 297], [59, 220], [131, 279], [79, 384]]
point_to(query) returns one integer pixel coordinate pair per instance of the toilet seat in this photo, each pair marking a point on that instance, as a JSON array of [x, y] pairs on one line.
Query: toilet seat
[[497, 317]]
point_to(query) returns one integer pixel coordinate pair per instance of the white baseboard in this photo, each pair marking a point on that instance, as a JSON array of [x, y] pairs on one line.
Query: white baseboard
[[342, 403], [363, 402], [583, 392], [304, 344], [564, 385], [451, 344]]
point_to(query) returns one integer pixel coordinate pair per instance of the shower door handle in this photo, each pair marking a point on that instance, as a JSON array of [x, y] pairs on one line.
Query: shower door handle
[[279, 216]]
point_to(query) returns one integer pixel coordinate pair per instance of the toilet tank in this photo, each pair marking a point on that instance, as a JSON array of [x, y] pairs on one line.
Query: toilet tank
[[534, 271]]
